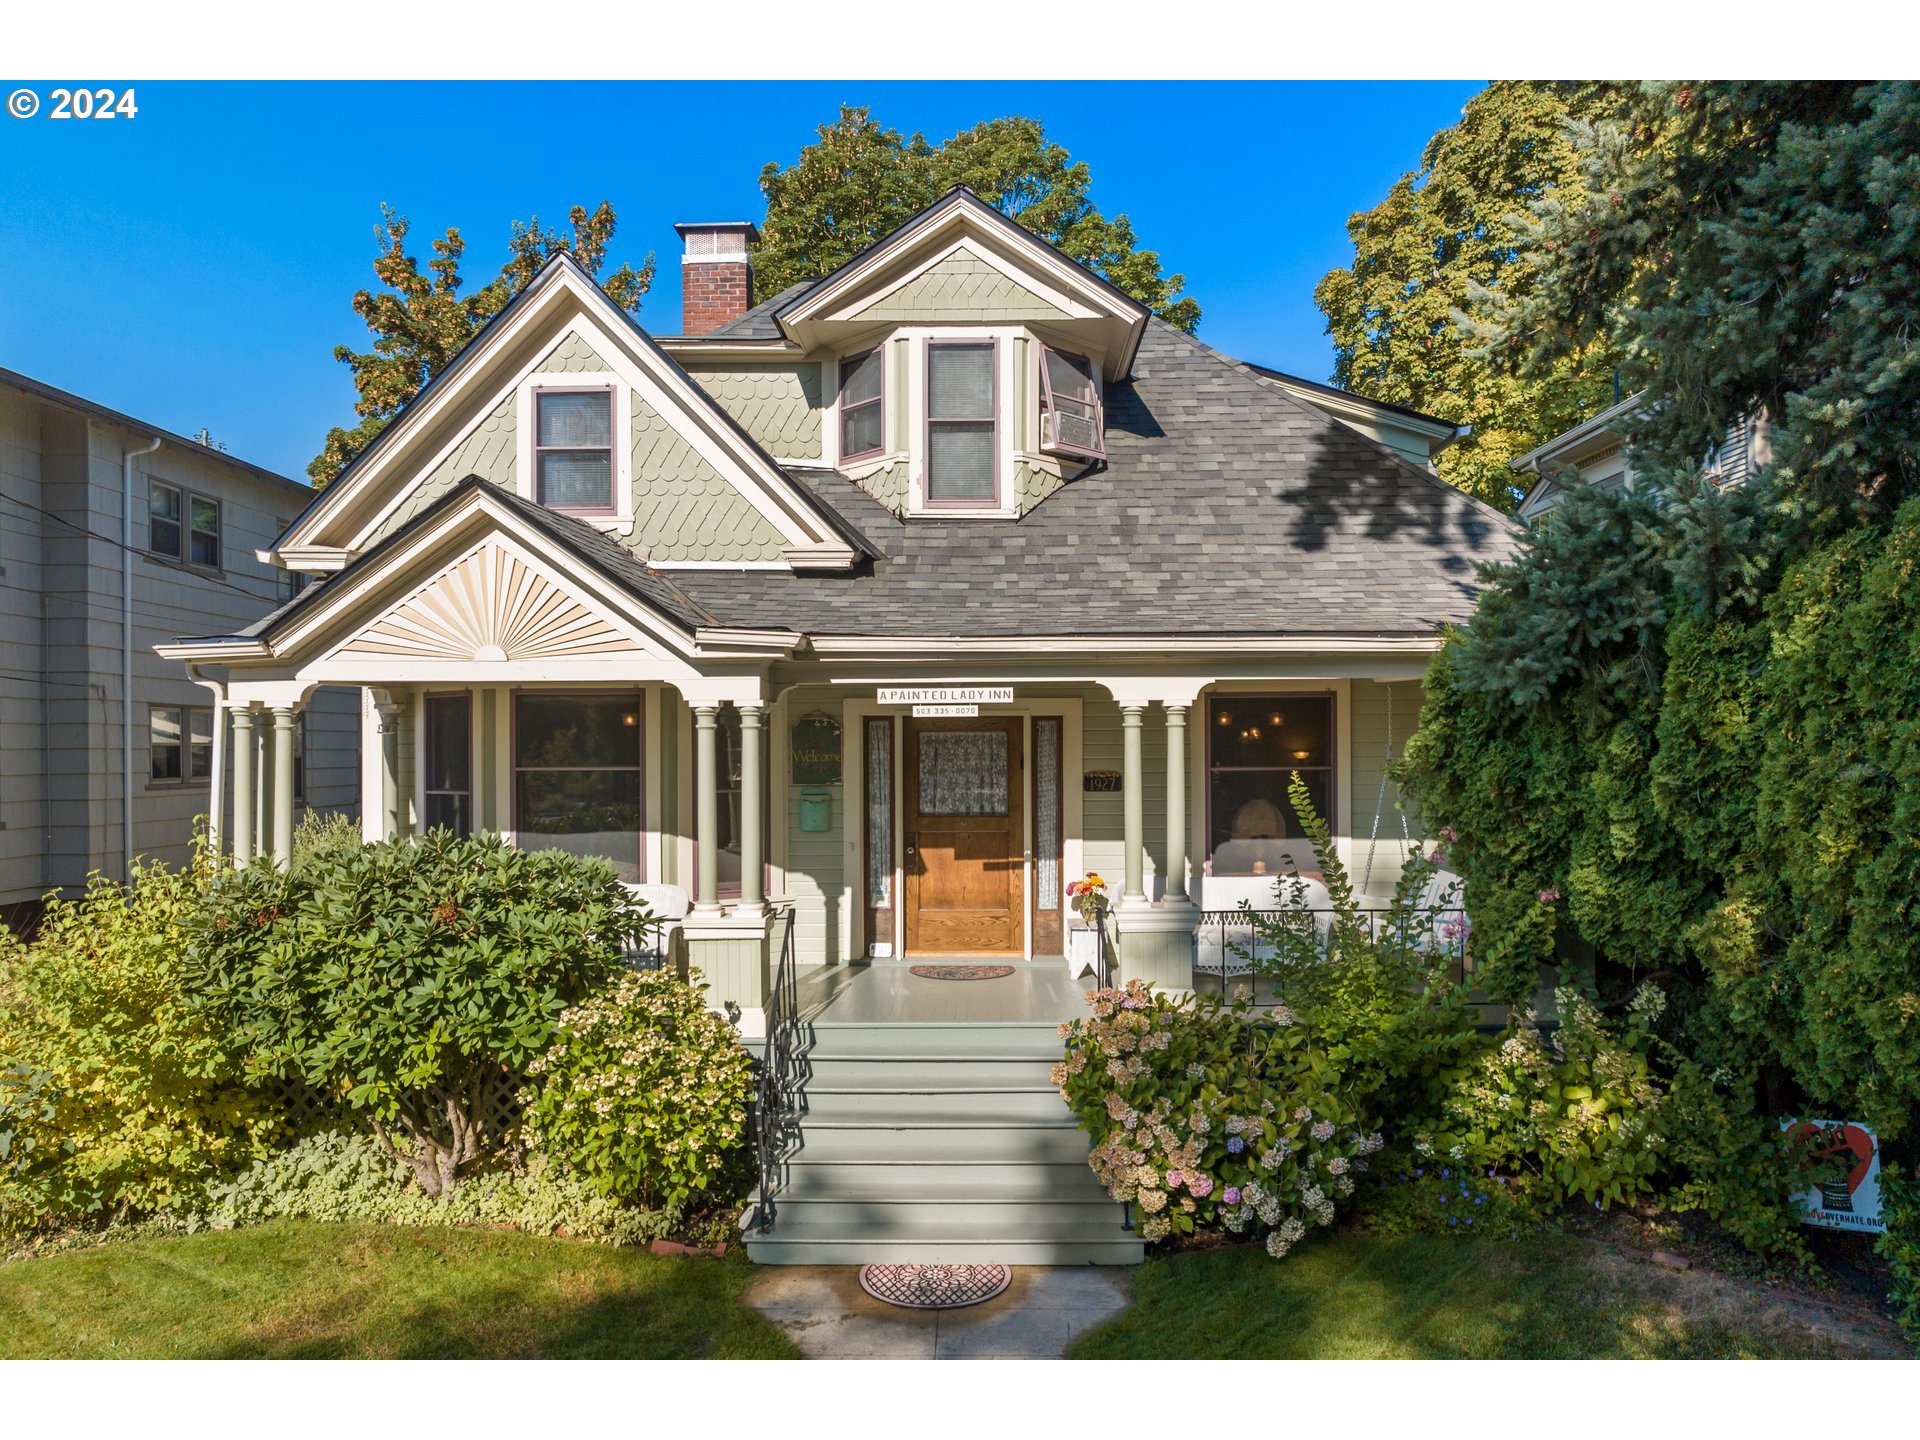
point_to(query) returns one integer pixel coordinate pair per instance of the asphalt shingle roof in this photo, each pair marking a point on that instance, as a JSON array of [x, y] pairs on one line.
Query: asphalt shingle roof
[[1226, 506], [758, 323]]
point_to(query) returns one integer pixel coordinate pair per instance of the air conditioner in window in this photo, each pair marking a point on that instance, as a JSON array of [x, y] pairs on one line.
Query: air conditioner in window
[[1069, 434]]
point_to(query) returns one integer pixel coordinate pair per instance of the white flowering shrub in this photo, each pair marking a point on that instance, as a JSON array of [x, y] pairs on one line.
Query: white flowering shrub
[[1207, 1116], [342, 1176], [643, 1096], [1585, 1114]]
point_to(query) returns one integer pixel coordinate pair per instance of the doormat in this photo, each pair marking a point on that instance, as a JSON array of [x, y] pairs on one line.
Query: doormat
[[961, 972], [934, 1287]]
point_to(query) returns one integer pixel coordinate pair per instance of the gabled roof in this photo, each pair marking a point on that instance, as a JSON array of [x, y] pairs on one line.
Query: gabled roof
[[1226, 507], [40, 390], [814, 538], [794, 314]]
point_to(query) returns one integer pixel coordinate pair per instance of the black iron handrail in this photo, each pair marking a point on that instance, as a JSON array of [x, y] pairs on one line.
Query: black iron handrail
[[775, 1103], [1229, 943]]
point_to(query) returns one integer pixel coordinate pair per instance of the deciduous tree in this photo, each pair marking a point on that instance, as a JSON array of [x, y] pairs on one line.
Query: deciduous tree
[[860, 181], [420, 320], [1441, 231]]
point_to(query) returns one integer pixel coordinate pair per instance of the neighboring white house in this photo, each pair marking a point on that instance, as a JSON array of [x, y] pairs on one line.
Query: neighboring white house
[[92, 766], [1596, 451]]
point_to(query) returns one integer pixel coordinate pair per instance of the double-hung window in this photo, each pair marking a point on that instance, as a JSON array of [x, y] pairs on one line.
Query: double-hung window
[[203, 532], [179, 744], [175, 516], [862, 404], [962, 433], [573, 450], [1070, 418], [163, 520]]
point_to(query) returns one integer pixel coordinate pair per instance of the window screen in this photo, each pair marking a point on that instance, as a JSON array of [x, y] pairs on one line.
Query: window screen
[[573, 450], [961, 438], [163, 519], [862, 383]]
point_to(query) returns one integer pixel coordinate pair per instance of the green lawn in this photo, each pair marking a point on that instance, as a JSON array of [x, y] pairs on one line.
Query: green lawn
[[297, 1290], [1358, 1296]]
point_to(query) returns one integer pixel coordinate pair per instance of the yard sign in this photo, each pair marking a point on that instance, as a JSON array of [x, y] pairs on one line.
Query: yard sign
[[1852, 1203]]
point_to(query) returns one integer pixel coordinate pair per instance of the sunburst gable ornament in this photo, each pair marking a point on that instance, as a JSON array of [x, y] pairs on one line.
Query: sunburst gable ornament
[[491, 606]]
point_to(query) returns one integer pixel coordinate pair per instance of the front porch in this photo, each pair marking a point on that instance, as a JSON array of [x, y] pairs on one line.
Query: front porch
[[887, 992]]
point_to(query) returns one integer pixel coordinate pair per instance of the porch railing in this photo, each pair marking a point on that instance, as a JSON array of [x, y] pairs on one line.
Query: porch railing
[[775, 1103], [1240, 944]]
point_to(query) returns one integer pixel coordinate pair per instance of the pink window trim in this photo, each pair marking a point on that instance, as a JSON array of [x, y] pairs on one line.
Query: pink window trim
[[1048, 405], [992, 344], [612, 507], [881, 400]]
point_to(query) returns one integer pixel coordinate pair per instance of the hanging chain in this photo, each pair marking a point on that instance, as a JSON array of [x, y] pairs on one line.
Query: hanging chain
[[1380, 800]]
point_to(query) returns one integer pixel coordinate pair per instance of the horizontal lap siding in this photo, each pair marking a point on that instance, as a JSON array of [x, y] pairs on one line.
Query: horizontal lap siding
[[1370, 745]]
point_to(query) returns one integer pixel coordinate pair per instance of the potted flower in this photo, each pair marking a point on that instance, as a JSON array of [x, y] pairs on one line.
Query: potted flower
[[1089, 898]]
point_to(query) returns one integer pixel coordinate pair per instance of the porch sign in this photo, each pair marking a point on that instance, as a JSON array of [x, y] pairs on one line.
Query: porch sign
[[1852, 1203], [947, 695]]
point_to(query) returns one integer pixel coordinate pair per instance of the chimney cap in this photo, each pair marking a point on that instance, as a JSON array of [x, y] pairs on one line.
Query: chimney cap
[[713, 227]]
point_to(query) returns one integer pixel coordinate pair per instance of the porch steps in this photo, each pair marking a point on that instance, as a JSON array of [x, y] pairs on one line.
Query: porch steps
[[938, 1143]]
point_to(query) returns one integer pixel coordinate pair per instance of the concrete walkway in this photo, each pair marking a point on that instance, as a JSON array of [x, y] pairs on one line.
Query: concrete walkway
[[825, 1312]]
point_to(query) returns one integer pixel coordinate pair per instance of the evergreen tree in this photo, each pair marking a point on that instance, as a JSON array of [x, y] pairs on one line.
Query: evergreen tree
[[1754, 249]]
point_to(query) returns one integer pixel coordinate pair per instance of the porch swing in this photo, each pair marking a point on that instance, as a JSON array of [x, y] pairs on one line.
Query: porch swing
[[1380, 799]]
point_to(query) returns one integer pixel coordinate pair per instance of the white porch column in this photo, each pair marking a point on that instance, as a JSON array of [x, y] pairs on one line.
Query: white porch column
[[1133, 788], [392, 715], [706, 808], [281, 851], [1175, 890], [753, 824], [243, 802]]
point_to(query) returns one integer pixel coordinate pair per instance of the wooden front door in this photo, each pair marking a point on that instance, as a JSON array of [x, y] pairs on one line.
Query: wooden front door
[[966, 884]]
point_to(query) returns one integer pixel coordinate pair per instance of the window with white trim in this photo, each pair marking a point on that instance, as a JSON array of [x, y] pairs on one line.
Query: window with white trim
[[1256, 744], [862, 404], [963, 443], [573, 450], [1070, 417]]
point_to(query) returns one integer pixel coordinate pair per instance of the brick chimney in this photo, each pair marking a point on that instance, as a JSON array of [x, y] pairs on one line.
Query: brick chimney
[[716, 278]]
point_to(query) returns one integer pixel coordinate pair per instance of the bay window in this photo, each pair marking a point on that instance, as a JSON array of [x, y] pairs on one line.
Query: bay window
[[576, 774], [862, 404], [1255, 745], [962, 433], [573, 450]]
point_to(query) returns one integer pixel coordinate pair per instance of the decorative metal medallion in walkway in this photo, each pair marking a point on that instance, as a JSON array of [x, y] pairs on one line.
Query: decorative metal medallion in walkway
[[961, 972], [934, 1287]]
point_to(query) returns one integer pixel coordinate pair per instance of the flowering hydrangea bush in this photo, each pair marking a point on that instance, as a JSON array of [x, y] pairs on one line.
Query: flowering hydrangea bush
[[1585, 1115], [1207, 1116], [644, 1095]]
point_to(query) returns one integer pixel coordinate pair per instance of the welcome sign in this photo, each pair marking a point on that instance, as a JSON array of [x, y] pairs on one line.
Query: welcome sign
[[1852, 1203]]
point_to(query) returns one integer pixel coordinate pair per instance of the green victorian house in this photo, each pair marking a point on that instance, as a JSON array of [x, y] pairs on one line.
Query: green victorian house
[[864, 620]]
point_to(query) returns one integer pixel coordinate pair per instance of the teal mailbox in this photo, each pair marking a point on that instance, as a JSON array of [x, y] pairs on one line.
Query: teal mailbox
[[816, 811]]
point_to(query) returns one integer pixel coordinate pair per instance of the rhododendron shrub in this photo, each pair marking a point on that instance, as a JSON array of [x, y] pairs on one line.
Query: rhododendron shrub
[[1207, 1116]]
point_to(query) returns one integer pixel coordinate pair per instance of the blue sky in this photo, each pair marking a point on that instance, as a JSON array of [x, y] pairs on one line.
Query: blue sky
[[194, 265]]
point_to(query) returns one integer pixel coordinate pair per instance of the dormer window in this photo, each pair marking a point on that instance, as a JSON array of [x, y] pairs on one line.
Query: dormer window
[[962, 433], [862, 414], [1070, 418], [573, 450]]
